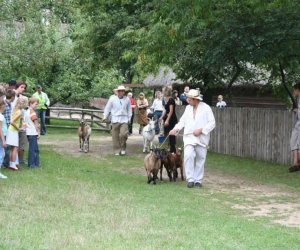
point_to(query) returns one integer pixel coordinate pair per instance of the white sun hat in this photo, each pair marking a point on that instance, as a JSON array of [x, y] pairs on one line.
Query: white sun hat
[[121, 88], [195, 94]]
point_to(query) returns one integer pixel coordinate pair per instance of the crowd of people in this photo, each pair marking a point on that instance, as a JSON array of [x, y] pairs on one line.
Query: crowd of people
[[20, 126], [198, 121]]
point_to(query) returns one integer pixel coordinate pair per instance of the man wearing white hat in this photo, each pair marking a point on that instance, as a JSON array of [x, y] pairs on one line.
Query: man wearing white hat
[[120, 108], [198, 121]]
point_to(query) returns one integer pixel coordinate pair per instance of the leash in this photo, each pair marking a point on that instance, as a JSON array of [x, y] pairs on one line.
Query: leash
[[201, 143]]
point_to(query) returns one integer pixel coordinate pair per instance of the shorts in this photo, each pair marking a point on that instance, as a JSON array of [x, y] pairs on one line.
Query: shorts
[[12, 138], [295, 137], [22, 140]]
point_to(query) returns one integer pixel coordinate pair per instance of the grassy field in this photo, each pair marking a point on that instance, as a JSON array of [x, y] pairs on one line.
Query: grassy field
[[88, 203]]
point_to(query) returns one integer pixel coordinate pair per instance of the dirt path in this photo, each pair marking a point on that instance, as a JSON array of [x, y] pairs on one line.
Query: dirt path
[[279, 203]]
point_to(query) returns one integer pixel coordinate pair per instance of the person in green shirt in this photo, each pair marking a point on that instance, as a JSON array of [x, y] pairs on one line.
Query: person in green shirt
[[44, 102]]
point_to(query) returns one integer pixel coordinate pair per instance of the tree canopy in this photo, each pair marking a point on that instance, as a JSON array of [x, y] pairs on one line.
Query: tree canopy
[[79, 48]]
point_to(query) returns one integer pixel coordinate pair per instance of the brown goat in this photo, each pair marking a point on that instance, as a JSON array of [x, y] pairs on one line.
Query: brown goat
[[171, 162], [84, 132], [178, 164], [152, 164], [167, 161]]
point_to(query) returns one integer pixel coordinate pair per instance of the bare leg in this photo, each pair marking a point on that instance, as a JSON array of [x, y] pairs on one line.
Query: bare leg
[[296, 157]]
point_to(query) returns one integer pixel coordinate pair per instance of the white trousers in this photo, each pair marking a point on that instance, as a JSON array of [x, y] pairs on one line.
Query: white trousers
[[194, 160]]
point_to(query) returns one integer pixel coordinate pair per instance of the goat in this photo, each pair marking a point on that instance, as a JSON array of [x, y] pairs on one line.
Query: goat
[[167, 161], [148, 136], [84, 132], [171, 162], [178, 164], [152, 163]]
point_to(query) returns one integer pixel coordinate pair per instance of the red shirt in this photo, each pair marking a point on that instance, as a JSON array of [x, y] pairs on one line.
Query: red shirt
[[132, 102]]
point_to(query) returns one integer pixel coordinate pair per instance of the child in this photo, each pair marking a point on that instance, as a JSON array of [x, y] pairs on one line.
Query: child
[[32, 132], [3, 131], [10, 97], [14, 128]]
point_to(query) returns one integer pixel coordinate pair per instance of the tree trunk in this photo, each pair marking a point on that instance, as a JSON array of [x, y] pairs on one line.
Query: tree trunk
[[283, 82]]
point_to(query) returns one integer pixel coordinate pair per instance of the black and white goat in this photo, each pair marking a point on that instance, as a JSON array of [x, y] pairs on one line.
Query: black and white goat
[[84, 133], [148, 136]]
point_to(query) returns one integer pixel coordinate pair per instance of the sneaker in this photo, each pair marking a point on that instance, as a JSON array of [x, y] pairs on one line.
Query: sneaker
[[2, 176], [198, 185], [190, 184], [123, 152], [117, 154], [13, 168]]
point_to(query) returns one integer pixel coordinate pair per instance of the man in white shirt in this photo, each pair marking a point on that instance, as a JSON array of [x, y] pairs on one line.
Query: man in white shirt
[[120, 108], [198, 121]]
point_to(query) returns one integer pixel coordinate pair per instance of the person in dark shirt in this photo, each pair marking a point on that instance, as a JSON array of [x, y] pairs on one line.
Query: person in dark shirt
[[183, 96], [169, 117]]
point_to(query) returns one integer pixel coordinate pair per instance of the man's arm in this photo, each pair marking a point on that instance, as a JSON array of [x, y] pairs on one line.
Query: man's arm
[[107, 108], [211, 122]]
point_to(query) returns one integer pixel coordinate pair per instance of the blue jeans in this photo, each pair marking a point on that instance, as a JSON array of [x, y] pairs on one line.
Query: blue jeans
[[2, 153], [33, 152], [156, 116], [6, 157], [41, 114]]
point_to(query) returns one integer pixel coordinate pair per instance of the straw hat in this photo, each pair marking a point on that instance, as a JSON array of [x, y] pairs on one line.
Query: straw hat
[[195, 94], [120, 88]]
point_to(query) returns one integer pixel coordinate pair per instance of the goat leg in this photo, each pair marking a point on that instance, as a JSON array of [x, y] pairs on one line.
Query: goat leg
[[169, 174], [80, 146], [160, 171]]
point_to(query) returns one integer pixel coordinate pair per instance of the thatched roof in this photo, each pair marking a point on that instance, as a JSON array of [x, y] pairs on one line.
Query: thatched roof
[[165, 77]]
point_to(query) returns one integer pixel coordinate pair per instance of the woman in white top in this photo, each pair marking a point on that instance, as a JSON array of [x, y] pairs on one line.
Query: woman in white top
[[157, 108]]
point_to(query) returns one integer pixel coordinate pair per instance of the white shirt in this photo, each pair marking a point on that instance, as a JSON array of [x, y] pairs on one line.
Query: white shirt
[[204, 119], [30, 127], [221, 104], [120, 109], [157, 105]]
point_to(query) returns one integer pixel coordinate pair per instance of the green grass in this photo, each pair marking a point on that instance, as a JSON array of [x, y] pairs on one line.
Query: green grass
[[258, 171], [84, 203]]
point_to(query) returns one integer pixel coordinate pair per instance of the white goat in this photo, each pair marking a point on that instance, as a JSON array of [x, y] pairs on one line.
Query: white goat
[[148, 135], [84, 132]]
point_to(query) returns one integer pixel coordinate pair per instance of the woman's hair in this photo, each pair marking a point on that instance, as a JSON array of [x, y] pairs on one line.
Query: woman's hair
[[33, 100], [21, 103], [19, 83], [141, 94], [167, 92], [174, 92]]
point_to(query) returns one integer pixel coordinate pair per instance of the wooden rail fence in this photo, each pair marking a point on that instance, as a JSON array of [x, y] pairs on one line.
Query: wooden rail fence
[[263, 134], [93, 116]]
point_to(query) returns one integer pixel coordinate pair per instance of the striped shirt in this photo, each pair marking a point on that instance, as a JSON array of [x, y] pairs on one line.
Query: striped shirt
[[7, 112]]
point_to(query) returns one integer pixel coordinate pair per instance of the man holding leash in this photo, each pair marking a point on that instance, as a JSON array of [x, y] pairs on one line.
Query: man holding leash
[[198, 121], [120, 108]]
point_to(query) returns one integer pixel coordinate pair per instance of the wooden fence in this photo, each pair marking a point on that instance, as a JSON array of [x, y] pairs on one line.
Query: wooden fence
[[93, 116], [263, 134]]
